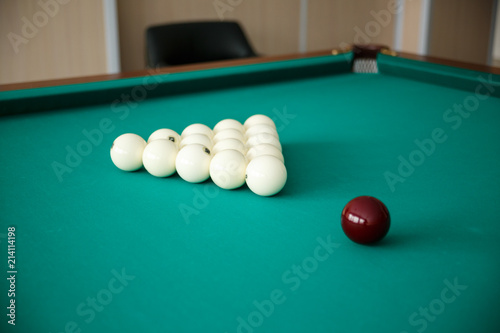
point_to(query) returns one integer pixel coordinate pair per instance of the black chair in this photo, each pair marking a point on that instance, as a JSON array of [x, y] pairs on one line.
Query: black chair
[[187, 43]]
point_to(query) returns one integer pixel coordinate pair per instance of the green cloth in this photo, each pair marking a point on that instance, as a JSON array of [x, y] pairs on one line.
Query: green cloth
[[163, 255]]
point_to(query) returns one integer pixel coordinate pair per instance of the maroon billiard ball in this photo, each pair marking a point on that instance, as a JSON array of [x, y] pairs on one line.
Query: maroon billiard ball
[[365, 220]]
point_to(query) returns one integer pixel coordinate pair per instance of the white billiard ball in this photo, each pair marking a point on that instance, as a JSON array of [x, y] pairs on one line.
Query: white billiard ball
[[197, 129], [159, 157], [227, 169], [266, 175], [229, 133], [193, 163], [265, 149], [229, 144], [200, 139], [126, 151], [229, 124], [263, 138], [257, 119], [261, 128], [165, 133]]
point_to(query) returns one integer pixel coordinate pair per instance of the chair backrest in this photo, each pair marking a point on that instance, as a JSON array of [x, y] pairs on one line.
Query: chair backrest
[[186, 43]]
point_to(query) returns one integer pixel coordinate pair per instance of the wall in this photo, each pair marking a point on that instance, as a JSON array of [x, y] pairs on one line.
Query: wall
[[454, 29], [332, 24], [411, 37], [460, 29], [272, 26], [496, 42], [65, 38], [69, 37]]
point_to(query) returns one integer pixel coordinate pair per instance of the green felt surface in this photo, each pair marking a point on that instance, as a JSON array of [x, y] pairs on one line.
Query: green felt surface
[[220, 262]]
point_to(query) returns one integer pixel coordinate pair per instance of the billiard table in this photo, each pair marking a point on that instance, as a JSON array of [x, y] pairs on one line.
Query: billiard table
[[97, 249]]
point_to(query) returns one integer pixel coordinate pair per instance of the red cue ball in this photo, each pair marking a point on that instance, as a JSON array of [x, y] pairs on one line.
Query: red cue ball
[[365, 220]]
